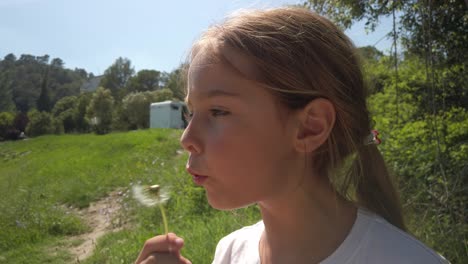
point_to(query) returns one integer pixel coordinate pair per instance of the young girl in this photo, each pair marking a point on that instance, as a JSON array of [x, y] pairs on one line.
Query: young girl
[[279, 119]]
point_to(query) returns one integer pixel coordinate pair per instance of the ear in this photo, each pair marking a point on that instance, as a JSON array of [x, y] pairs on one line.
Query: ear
[[316, 121]]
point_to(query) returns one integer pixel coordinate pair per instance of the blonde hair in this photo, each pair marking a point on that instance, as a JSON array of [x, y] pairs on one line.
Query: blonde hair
[[301, 56]]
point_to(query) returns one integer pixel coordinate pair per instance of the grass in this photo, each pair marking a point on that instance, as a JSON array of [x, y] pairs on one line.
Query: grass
[[42, 178]]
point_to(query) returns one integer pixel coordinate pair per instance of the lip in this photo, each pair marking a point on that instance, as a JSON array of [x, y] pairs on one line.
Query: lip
[[196, 177]]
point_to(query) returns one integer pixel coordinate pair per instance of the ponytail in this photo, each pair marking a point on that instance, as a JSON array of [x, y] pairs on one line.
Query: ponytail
[[374, 187]]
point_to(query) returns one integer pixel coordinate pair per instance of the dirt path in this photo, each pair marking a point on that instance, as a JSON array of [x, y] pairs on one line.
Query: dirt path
[[99, 216]]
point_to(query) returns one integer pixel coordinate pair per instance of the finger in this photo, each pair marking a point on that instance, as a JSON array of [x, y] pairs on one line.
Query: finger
[[161, 258], [175, 243], [165, 258], [184, 260], [149, 260], [164, 243]]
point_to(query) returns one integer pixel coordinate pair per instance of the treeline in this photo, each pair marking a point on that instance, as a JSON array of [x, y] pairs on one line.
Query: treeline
[[38, 96]]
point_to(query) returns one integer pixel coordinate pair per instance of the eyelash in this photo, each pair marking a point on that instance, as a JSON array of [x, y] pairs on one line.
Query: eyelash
[[214, 113], [218, 112]]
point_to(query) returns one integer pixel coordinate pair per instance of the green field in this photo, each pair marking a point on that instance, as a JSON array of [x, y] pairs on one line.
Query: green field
[[45, 180]]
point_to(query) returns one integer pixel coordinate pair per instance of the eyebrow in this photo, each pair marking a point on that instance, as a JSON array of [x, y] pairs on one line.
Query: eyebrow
[[214, 93], [218, 92]]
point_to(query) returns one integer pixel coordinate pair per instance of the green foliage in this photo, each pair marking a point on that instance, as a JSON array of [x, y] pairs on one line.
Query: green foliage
[[40, 123], [161, 95], [434, 31], [6, 122], [81, 121], [21, 82], [431, 170], [425, 143], [34, 82], [145, 80], [117, 76], [99, 111], [439, 27], [136, 110], [6, 91], [175, 81], [65, 111], [43, 103]]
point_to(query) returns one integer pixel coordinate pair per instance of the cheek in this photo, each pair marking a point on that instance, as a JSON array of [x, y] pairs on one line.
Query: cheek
[[248, 151]]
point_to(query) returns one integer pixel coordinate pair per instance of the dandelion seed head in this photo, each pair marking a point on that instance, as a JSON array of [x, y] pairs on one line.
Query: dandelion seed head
[[152, 195]]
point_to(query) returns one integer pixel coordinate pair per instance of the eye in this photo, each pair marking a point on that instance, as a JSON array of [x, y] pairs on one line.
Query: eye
[[188, 115], [218, 112]]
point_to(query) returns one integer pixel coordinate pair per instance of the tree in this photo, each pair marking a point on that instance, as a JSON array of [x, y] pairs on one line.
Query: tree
[[438, 27], [99, 111], [161, 95], [371, 53], [9, 60], [6, 89], [117, 75], [43, 103], [6, 92], [145, 80], [43, 59], [24, 81], [175, 81], [57, 63]]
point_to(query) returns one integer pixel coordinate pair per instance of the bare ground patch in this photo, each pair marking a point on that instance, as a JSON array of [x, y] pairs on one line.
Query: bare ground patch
[[100, 216]]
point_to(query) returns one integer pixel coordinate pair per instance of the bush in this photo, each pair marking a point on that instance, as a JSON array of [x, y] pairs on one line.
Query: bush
[[135, 108], [99, 111], [40, 123], [81, 121], [65, 113], [6, 124]]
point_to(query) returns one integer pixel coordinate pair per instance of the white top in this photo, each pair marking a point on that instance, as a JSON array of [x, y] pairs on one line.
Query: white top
[[371, 240]]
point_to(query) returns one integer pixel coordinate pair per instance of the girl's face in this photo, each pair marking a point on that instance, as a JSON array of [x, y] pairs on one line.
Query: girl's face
[[241, 151]]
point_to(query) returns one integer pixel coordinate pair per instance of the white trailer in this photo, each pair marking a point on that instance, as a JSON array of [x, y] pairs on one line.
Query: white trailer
[[168, 114]]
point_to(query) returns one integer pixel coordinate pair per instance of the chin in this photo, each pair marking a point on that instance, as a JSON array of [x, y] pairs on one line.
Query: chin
[[227, 205]]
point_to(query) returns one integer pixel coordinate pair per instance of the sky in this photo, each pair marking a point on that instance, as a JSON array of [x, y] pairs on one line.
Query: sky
[[153, 34]]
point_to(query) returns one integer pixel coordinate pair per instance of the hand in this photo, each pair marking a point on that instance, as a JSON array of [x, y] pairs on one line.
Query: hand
[[162, 249]]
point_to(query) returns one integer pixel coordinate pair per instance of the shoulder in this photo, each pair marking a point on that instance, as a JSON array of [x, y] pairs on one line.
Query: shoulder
[[384, 241], [239, 246]]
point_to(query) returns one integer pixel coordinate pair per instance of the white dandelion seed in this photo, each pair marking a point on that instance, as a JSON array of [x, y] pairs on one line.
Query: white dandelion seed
[[151, 196]]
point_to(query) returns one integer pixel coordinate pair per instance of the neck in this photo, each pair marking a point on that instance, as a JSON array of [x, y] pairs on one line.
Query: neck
[[304, 225]]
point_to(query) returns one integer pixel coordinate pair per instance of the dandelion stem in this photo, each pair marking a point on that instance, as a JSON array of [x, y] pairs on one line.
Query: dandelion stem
[[163, 213]]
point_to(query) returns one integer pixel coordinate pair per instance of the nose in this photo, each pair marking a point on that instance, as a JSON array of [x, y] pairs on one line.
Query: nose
[[190, 141]]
